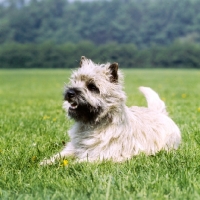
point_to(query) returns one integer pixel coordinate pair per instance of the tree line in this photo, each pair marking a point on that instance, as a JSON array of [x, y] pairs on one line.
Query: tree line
[[48, 55], [142, 22], [135, 33]]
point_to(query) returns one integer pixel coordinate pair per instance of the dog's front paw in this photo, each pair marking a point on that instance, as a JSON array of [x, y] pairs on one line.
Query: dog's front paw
[[47, 162]]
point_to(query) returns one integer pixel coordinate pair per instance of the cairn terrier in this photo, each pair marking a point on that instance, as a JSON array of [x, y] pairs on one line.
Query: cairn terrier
[[105, 128]]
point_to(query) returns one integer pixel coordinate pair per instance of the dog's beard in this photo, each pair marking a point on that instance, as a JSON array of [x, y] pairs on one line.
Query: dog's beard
[[83, 111]]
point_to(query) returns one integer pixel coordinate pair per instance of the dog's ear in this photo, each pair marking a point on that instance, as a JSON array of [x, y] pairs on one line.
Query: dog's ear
[[114, 72], [83, 58]]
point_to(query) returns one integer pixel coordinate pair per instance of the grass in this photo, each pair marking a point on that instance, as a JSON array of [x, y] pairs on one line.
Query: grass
[[33, 126]]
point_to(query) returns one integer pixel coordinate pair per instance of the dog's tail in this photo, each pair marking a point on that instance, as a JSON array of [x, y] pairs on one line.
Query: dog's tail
[[153, 100]]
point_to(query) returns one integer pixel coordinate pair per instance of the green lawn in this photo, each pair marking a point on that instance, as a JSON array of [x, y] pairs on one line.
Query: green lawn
[[33, 126]]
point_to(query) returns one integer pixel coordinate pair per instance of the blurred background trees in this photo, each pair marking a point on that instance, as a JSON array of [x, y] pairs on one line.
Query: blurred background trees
[[135, 33]]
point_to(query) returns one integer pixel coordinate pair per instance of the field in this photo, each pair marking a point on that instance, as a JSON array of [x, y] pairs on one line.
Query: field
[[33, 126]]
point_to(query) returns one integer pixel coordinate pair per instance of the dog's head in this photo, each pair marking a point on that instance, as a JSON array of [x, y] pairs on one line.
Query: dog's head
[[94, 91]]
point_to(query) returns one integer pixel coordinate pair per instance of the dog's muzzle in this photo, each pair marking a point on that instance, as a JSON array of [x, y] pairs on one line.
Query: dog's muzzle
[[70, 96], [79, 109], [70, 93]]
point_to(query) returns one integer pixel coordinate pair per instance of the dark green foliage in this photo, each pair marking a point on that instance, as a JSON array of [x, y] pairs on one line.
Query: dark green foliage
[[134, 33], [141, 22], [49, 55]]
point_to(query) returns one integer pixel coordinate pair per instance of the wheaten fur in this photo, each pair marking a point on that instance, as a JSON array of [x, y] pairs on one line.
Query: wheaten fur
[[105, 128]]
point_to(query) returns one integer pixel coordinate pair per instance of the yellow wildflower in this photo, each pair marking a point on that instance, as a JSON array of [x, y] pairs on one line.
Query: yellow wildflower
[[163, 98], [183, 96], [65, 162], [46, 117], [33, 158], [54, 119], [198, 109]]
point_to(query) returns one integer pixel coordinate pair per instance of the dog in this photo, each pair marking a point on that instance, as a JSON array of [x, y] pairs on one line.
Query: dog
[[105, 128]]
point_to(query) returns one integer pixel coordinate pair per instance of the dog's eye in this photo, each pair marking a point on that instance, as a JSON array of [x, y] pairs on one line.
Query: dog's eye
[[92, 87]]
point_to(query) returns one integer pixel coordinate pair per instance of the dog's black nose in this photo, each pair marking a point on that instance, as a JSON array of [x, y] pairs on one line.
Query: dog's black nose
[[70, 93]]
